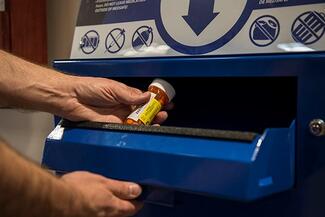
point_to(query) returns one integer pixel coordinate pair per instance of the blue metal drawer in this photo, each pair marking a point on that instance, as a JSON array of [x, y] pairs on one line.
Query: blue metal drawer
[[234, 169]]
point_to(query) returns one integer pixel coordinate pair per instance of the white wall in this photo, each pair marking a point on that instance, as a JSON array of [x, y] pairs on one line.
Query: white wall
[[26, 132], [62, 15]]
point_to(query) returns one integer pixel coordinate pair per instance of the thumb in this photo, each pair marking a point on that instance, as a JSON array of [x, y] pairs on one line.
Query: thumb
[[132, 96], [124, 190]]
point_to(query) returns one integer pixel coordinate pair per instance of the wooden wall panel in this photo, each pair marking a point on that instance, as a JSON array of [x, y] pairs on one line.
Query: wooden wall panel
[[28, 29], [5, 41], [27, 24]]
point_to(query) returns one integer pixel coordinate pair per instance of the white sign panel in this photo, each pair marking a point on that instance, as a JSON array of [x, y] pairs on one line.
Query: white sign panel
[[145, 28]]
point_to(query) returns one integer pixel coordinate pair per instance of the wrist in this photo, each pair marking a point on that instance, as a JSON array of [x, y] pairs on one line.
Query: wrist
[[53, 92], [65, 89], [77, 205], [29, 86]]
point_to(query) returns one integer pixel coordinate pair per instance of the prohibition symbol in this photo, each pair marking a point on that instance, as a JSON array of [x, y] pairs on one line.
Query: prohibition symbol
[[89, 42], [142, 38], [264, 31], [115, 40], [309, 27]]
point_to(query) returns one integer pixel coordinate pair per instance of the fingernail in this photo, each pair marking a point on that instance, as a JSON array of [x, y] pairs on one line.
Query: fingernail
[[134, 190]]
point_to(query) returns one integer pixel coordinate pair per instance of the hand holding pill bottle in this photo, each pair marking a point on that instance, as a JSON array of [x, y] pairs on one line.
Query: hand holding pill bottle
[[162, 93]]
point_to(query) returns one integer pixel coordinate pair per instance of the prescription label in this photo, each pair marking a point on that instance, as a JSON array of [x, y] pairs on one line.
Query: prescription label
[[150, 111], [145, 112]]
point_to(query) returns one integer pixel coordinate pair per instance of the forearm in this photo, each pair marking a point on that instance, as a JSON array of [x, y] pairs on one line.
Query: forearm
[[27, 190], [29, 86]]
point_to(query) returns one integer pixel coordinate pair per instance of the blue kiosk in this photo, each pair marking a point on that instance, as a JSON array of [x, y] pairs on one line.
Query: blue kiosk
[[246, 137]]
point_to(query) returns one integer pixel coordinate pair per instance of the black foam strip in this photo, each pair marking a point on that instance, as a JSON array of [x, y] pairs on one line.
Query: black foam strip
[[177, 131]]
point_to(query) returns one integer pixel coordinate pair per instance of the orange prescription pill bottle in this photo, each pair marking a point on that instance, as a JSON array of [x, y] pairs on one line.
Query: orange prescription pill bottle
[[161, 94]]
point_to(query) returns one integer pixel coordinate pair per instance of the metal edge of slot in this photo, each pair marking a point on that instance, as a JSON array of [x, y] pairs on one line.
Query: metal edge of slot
[[176, 131]]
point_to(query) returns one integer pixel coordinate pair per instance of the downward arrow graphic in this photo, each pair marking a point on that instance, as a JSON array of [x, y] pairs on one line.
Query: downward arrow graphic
[[200, 15]]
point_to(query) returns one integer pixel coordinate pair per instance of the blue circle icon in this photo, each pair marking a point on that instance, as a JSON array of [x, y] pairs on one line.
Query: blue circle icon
[[142, 38], [198, 24], [89, 42], [309, 27], [115, 40], [264, 31]]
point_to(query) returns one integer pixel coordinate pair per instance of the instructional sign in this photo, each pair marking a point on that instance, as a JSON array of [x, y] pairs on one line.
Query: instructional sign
[[142, 28]]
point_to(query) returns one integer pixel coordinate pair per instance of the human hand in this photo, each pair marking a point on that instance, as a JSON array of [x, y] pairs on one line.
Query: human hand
[[29, 86], [104, 197], [102, 100]]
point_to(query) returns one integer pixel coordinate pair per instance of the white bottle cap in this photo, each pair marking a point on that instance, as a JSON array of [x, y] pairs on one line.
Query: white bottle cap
[[166, 87]]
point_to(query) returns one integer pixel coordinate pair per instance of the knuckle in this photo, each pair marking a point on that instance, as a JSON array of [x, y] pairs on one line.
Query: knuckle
[[109, 198], [123, 190], [119, 188]]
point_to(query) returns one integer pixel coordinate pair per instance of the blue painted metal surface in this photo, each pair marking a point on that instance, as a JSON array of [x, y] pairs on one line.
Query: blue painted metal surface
[[305, 199], [227, 66], [229, 169]]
